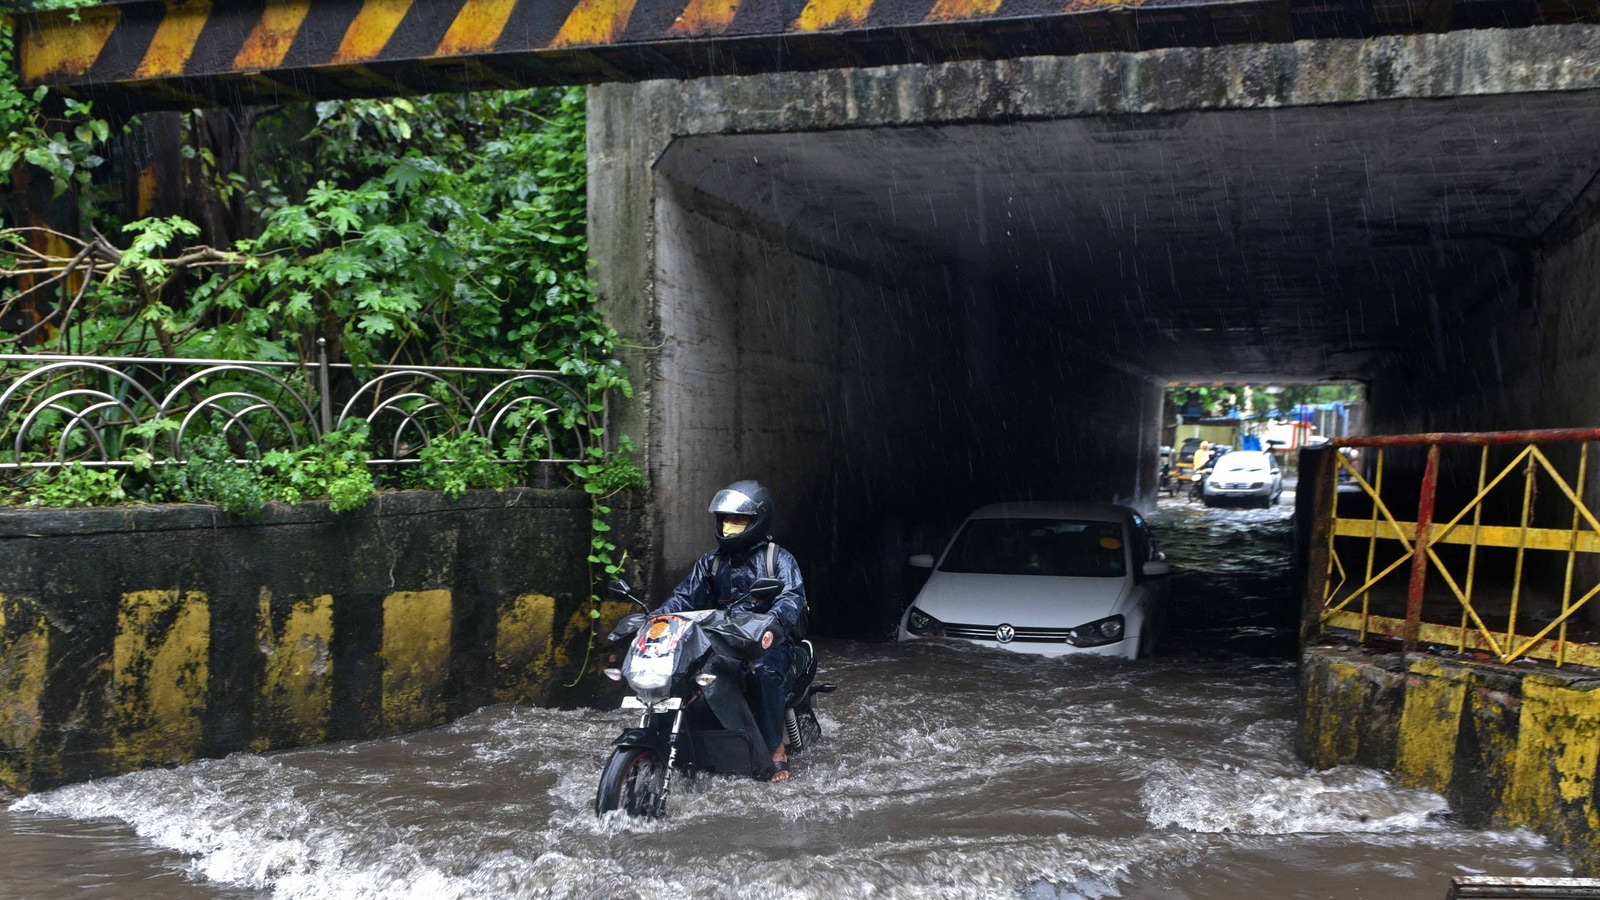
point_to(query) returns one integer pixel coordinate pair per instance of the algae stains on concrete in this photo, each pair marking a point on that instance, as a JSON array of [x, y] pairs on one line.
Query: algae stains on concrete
[[24, 651], [159, 674], [1429, 724], [522, 647], [1553, 783], [1505, 747], [1336, 726], [297, 689], [416, 657]]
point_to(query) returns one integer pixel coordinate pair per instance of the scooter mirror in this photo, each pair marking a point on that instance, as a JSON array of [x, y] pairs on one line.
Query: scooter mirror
[[620, 589], [765, 589]]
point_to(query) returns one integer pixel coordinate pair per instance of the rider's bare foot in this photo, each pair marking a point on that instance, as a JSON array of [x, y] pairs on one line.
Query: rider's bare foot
[[780, 762]]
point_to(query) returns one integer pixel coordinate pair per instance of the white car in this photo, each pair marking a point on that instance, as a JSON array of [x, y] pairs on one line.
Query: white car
[[1045, 578], [1244, 476]]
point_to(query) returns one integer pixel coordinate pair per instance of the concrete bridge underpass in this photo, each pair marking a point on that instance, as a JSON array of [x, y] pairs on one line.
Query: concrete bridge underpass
[[955, 257]]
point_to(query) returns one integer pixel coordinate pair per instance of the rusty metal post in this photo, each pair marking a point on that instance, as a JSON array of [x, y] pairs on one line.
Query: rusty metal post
[[1419, 547], [1314, 500]]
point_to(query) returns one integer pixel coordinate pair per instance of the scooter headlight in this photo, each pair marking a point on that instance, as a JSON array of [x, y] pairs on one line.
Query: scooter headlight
[[648, 673]]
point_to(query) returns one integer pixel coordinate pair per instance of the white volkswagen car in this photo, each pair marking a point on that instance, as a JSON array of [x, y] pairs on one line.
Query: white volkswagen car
[[1045, 578]]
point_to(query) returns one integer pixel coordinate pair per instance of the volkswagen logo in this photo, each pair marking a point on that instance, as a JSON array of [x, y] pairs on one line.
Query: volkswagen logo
[[1004, 634]]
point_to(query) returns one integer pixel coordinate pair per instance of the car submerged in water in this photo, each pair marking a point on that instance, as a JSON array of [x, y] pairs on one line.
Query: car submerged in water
[[1244, 476], [1045, 578]]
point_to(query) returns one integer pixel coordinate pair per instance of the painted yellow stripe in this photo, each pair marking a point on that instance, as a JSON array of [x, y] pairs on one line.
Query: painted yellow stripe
[[705, 17], [820, 14], [1573, 654], [64, 47], [269, 41], [1430, 719], [1488, 535], [159, 674], [298, 690], [477, 27], [174, 42], [23, 670], [956, 10], [522, 646], [416, 657], [594, 22], [371, 30]]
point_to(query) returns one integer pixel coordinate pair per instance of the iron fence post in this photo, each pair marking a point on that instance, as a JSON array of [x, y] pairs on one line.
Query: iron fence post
[[322, 385], [1314, 499]]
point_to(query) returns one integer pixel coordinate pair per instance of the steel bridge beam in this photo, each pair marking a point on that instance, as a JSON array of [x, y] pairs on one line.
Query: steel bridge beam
[[148, 54]]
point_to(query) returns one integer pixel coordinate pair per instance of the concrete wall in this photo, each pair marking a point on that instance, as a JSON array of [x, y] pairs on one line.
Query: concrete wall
[[1504, 747], [882, 397], [142, 637]]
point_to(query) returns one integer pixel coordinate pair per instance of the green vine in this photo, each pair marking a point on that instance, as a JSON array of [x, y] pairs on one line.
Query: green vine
[[602, 475]]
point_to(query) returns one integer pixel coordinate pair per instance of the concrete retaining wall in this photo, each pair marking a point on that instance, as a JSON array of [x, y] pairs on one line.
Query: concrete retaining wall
[[150, 636], [1505, 747]]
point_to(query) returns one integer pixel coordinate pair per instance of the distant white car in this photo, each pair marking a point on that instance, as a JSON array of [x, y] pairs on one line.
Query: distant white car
[[1244, 476], [1045, 578]]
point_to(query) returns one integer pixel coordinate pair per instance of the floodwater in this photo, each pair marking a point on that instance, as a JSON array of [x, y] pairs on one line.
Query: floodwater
[[945, 771]]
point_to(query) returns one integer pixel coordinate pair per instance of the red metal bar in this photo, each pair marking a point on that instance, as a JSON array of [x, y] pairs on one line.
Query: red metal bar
[[1470, 438], [1419, 562]]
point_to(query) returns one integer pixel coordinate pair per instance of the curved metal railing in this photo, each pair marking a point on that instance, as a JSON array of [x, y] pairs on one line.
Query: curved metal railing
[[58, 410]]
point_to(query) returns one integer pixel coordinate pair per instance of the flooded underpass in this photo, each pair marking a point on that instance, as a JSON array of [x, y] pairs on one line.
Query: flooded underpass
[[945, 771]]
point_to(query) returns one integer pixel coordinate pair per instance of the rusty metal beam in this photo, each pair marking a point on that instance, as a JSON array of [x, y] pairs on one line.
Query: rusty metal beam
[[177, 53]]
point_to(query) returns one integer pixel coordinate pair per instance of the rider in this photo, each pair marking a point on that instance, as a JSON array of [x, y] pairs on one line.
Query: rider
[[722, 579]]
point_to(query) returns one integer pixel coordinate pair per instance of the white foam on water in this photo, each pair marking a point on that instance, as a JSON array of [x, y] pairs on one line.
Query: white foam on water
[[1208, 798]]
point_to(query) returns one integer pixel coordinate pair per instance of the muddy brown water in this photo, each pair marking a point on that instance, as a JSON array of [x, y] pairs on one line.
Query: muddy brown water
[[945, 772]]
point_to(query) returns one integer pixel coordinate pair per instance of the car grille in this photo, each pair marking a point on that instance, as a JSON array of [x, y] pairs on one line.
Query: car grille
[[1024, 635]]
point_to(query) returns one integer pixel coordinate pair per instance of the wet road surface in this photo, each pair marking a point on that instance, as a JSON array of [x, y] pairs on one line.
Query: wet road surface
[[945, 771]]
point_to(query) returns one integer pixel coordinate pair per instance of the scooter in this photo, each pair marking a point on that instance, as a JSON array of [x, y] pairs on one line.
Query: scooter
[[686, 671]]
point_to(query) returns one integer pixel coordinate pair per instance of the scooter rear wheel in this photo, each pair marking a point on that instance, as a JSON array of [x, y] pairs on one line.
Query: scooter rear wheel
[[634, 780]]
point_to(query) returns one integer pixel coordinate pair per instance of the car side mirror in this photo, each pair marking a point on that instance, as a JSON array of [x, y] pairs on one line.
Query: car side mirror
[[765, 589], [921, 561], [1155, 568]]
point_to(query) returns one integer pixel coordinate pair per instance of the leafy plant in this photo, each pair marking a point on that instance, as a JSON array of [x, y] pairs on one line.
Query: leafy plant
[[211, 474], [77, 485], [455, 465], [335, 467]]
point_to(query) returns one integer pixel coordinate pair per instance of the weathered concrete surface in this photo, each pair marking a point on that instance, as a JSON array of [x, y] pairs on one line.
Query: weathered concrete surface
[[1504, 747], [150, 636], [897, 292]]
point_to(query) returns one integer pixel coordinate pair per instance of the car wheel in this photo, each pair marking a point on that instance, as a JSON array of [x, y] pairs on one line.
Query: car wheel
[[1208, 501]]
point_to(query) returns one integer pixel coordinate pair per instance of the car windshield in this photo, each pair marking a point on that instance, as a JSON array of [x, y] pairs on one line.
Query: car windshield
[[1057, 547], [1234, 462]]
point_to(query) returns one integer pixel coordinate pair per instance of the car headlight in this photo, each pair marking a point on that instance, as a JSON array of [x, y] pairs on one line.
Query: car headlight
[[1101, 631], [919, 622]]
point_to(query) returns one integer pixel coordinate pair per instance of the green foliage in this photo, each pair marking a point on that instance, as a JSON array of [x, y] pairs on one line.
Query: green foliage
[[334, 467], [211, 475], [66, 150], [456, 465], [76, 485]]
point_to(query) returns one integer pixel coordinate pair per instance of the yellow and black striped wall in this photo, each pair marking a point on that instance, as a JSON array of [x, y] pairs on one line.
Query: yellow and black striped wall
[[152, 636], [1505, 746]]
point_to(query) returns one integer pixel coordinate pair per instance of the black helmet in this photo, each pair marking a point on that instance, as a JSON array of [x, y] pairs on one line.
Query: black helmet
[[742, 498]]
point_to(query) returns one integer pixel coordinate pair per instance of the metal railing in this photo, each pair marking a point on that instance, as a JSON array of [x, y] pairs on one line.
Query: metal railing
[[60, 410], [1486, 566]]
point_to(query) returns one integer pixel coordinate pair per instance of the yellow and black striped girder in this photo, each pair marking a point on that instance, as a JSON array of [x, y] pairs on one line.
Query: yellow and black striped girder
[[177, 53]]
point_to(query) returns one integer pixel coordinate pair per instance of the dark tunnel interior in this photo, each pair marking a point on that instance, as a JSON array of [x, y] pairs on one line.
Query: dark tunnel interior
[[892, 326]]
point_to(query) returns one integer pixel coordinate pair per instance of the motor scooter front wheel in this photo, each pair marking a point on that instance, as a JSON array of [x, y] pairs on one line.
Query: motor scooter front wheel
[[634, 780]]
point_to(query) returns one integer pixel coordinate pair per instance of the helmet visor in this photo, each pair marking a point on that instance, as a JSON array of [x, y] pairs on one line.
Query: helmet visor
[[733, 503]]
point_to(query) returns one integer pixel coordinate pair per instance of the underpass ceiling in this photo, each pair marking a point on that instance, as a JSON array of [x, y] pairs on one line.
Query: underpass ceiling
[[1291, 243]]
